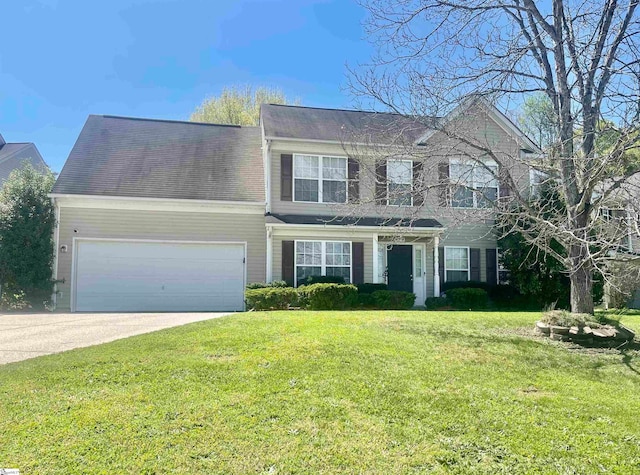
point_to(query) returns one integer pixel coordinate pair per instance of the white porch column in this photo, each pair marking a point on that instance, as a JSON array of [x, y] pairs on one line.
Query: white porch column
[[376, 264], [436, 267]]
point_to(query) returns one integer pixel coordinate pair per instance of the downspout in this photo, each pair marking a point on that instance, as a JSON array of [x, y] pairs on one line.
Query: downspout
[[56, 243], [436, 266], [266, 163]]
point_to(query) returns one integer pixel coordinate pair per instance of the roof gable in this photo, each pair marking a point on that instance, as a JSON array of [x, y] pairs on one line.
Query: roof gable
[[496, 115]]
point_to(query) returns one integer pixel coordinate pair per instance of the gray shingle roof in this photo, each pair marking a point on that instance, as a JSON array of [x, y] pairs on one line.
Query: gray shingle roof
[[120, 156], [16, 155], [9, 149], [352, 221], [339, 125]]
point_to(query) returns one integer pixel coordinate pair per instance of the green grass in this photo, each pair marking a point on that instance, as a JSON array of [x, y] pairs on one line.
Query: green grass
[[327, 392]]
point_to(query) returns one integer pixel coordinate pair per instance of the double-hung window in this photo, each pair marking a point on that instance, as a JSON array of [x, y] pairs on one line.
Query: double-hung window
[[456, 264], [399, 182], [474, 184], [329, 258], [319, 179]]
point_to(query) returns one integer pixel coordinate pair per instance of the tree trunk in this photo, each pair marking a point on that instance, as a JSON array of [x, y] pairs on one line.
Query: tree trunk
[[581, 284]]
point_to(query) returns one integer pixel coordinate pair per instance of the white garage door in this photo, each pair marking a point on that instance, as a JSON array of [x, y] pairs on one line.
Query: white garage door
[[119, 276]]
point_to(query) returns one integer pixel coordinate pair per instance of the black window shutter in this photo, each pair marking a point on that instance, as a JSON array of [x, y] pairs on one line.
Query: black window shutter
[[357, 255], [288, 259], [418, 184], [443, 184], [474, 265], [354, 183], [381, 182], [286, 177], [492, 267], [441, 266]]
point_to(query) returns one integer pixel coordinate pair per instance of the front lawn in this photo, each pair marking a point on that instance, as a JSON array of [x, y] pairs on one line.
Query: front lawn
[[327, 392]]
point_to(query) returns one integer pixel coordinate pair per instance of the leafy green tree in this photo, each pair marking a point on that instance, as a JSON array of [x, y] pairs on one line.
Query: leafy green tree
[[538, 120], [238, 105], [536, 274], [27, 220]]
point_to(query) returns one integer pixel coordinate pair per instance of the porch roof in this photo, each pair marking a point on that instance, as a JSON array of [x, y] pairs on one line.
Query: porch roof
[[365, 221]]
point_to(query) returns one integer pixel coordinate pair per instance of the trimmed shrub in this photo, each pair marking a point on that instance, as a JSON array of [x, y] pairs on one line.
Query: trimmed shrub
[[435, 303], [466, 284], [279, 283], [328, 296], [366, 301], [323, 279], [393, 299], [271, 298], [257, 285], [468, 298], [370, 288], [264, 285]]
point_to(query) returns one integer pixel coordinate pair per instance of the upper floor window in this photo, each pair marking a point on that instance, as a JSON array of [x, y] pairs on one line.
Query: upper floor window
[[475, 185], [319, 179], [399, 182]]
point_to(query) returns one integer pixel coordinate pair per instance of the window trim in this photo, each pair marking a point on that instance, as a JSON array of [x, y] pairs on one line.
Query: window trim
[[320, 179], [388, 181], [468, 269], [473, 185], [534, 186], [323, 258]]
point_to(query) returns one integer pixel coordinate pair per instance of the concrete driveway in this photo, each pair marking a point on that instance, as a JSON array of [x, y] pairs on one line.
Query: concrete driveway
[[24, 336]]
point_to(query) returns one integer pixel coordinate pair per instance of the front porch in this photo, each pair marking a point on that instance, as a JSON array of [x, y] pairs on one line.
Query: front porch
[[404, 257]]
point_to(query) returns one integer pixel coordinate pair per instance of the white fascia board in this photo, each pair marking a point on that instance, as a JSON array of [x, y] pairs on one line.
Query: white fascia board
[[158, 204], [368, 230], [332, 142]]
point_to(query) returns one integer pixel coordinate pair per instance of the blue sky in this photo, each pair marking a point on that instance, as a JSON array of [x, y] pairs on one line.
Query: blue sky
[[61, 60]]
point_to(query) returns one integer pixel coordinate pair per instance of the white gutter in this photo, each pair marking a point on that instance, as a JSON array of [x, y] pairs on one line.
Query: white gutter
[[158, 200], [332, 142], [353, 227]]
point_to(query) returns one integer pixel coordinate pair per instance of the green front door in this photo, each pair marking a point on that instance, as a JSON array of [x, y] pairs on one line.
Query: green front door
[[400, 267]]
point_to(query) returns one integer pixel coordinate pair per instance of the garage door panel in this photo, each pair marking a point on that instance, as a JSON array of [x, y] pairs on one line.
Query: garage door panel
[[143, 276]]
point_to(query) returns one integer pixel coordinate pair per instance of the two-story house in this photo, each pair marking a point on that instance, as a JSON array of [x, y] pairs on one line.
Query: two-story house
[[160, 215]]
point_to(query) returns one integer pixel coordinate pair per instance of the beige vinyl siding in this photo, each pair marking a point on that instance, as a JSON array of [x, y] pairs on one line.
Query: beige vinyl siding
[[291, 207], [368, 252], [437, 150], [159, 225], [472, 235]]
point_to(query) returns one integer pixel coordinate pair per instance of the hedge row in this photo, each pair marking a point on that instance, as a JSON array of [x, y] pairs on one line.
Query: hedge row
[[499, 297], [327, 296]]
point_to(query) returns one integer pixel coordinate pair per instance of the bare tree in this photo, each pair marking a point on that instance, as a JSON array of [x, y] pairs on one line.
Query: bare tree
[[433, 55]]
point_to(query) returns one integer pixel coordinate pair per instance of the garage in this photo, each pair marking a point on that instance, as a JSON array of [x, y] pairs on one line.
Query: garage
[[155, 276]]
